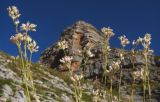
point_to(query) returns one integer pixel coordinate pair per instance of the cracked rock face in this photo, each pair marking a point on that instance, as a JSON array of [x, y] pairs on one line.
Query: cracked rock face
[[82, 33], [78, 36]]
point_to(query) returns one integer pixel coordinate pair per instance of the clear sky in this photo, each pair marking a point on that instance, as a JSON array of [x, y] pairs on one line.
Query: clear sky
[[130, 17]]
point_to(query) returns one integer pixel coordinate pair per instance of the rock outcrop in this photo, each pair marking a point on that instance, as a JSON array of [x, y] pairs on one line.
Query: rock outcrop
[[81, 33], [78, 36]]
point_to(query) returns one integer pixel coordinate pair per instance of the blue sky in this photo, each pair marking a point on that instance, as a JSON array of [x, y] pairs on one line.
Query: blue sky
[[130, 17]]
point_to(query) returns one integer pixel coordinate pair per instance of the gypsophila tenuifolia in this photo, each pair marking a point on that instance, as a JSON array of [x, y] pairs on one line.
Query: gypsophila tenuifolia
[[28, 27], [23, 40], [32, 47], [63, 44], [13, 12], [107, 31], [124, 40]]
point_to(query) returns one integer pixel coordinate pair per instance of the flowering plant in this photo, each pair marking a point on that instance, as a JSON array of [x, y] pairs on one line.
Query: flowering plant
[[23, 40]]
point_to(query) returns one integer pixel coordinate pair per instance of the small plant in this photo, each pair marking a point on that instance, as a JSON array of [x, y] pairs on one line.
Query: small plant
[[24, 42], [136, 74], [100, 95], [108, 33], [124, 41], [146, 41], [76, 79], [78, 89], [113, 68]]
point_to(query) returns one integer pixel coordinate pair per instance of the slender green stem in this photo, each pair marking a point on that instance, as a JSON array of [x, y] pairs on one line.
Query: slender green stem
[[132, 91], [30, 74], [16, 28], [76, 91], [144, 80], [24, 74], [119, 85], [144, 90], [111, 89], [132, 83], [120, 79], [149, 89], [105, 58], [25, 48], [147, 78], [19, 51]]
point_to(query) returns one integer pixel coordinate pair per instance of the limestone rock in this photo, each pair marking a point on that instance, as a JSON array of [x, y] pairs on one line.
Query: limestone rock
[[78, 35]]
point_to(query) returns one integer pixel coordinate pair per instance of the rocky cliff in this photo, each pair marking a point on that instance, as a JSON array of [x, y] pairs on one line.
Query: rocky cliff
[[82, 33]]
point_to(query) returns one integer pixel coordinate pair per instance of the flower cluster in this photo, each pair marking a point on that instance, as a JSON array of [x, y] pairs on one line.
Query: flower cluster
[[77, 86], [108, 48], [67, 60], [17, 39], [76, 77], [102, 96], [28, 27], [27, 38], [89, 53], [32, 46], [121, 55], [63, 44], [98, 95], [124, 40], [138, 74], [13, 12], [107, 31], [146, 41], [24, 41], [113, 66], [137, 42]]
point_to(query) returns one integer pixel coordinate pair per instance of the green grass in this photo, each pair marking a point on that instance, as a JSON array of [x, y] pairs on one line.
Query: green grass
[[86, 97]]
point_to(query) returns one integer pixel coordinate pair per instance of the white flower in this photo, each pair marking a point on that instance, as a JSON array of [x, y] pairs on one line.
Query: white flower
[[67, 60], [116, 65], [146, 41], [121, 56], [17, 38], [27, 38], [147, 37], [124, 40], [76, 77], [28, 27], [107, 31], [32, 47], [95, 93], [151, 51], [138, 74], [89, 53], [63, 44], [138, 41], [13, 12], [108, 48]]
